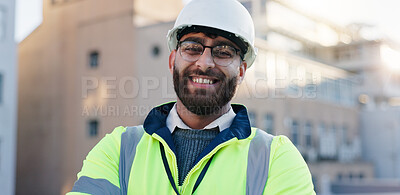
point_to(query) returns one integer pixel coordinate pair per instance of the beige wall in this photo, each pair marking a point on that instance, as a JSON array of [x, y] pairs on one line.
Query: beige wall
[[156, 11], [155, 79], [52, 125]]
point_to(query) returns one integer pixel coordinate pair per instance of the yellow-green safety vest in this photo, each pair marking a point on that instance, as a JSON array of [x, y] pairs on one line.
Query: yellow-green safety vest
[[240, 160]]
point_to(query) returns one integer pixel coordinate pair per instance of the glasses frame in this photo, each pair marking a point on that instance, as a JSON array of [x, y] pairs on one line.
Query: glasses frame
[[212, 53]]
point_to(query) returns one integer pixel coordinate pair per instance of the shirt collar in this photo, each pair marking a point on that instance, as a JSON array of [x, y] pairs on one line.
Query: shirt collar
[[223, 122], [155, 123]]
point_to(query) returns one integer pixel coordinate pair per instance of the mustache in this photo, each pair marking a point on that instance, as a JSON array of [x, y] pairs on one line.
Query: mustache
[[208, 72]]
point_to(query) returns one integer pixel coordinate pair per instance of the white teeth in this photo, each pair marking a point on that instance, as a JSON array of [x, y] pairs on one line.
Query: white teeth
[[202, 81]]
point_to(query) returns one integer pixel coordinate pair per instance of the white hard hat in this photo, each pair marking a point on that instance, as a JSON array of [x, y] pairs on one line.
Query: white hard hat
[[227, 16]]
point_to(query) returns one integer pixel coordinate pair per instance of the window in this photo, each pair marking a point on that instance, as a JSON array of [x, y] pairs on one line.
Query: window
[[94, 59], [295, 133], [269, 123], [346, 92], [337, 90], [331, 89], [323, 88], [156, 51], [334, 133], [310, 87], [263, 6], [1, 88], [308, 134], [2, 23], [252, 118], [327, 142], [343, 135], [93, 128], [339, 176]]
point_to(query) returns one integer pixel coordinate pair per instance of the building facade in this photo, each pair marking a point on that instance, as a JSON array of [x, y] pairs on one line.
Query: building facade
[[376, 65], [316, 105], [94, 65], [8, 97]]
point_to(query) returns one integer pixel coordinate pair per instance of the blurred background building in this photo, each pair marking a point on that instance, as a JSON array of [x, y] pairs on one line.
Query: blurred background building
[[92, 65], [8, 97]]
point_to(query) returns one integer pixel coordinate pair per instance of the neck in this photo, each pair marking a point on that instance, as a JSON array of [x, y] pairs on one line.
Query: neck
[[195, 121]]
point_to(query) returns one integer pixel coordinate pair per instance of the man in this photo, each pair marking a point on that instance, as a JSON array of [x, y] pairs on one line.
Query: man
[[200, 144]]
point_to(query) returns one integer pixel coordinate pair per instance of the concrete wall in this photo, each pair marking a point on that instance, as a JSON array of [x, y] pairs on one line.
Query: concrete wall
[[381, 135], [8, 97]]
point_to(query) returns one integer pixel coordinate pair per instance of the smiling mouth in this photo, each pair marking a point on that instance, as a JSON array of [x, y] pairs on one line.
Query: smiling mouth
[[202, 80]]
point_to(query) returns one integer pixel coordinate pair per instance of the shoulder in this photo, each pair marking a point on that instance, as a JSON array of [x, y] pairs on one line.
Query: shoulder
[[121, 131], [275, 142], [133, 131], [132, 135], [281, 145], [121, 134], [260, 138], [281, 140]]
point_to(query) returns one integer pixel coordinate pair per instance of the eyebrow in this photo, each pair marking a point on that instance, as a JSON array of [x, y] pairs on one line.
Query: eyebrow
[[216, 43], [195, 39], [226, 43]]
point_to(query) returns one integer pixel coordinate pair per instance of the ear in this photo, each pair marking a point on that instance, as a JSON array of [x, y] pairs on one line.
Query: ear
[[171, 62], [242, 71]]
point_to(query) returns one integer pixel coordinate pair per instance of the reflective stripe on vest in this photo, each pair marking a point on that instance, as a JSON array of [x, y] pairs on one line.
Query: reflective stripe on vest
[[129, 140], [94, 186], [258, 162]]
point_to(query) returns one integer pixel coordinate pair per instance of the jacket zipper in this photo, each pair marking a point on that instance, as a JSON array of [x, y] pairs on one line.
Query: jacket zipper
[[174, 163], [198, 165], [182, 188]]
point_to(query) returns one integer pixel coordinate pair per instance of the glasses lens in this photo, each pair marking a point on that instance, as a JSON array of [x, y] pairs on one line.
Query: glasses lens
[[223, 55], [191, 51]]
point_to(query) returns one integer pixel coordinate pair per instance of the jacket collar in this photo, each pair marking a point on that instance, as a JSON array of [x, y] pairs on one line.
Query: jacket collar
[[156, 120]]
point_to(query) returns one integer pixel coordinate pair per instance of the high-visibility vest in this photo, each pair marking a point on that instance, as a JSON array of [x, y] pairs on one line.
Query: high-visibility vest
[[240, 160]]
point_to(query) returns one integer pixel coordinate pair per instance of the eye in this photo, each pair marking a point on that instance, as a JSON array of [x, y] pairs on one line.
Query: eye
[[192, 48], [224, 51]]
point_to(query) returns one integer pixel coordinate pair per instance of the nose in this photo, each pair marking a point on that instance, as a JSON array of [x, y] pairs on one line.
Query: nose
[[206, 60]]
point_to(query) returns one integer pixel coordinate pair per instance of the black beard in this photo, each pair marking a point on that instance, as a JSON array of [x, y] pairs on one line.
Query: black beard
[[201, 101]]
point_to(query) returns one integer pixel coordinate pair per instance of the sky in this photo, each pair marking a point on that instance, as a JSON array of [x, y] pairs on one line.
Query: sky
[[380, 13], [28, 16]]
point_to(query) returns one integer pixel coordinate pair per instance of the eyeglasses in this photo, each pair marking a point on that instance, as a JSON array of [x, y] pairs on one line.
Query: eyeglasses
[[223, 55]]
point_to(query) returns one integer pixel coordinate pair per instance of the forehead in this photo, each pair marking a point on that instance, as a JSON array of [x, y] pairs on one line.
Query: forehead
[[207, 40]]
